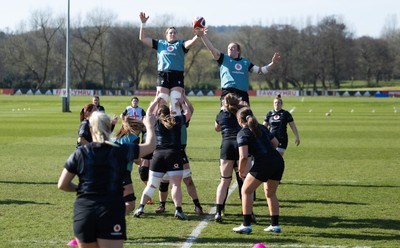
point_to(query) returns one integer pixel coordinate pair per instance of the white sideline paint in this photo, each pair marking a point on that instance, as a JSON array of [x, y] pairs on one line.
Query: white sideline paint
[[196, 232]]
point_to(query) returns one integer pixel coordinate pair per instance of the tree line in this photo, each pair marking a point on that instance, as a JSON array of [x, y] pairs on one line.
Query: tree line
[[105, 55]]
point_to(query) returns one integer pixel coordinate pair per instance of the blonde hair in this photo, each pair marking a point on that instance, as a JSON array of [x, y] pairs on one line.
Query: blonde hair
[[100, 124], [130, 126]]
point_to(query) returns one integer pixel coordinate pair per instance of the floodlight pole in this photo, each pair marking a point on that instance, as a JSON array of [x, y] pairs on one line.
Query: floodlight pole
[[66, 100]]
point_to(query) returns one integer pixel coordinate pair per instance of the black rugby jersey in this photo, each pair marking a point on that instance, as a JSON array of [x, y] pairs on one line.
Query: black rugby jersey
[[100, 167], [278, 121]]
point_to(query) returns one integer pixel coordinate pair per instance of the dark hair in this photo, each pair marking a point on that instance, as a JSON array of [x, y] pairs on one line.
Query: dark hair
[[164, 115], [86, 110], [245, 115], [170, 28], [278, 97], [135, 97], [239, 49]]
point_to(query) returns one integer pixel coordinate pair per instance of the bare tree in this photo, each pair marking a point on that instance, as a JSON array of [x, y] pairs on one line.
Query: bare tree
[[335, 49], [375, 60], [31, 51], [89, 47], [130, 59]]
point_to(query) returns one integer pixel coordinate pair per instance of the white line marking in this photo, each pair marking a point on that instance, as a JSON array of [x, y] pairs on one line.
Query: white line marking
[[196, 232]]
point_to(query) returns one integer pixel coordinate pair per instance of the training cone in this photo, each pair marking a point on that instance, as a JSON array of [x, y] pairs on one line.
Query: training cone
[[259, 245], [73, 243]]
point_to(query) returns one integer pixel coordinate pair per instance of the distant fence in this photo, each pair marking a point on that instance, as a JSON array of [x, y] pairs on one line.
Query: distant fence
[[84, 92]]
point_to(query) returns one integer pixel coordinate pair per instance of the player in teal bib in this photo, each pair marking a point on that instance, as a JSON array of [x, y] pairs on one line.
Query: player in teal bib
[[171, 60], [234, 70]]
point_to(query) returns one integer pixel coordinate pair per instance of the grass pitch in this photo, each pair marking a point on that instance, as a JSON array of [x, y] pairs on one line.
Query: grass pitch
[[341, 186]]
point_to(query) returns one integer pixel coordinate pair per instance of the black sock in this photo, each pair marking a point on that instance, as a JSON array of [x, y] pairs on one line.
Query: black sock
[[275, 220], [197, 203], [162, 204], [247, 219], [179, 209], [219, 207]]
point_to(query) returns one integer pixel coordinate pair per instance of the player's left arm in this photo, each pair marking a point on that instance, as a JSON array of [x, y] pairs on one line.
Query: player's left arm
[[266, 68], [295, 132]]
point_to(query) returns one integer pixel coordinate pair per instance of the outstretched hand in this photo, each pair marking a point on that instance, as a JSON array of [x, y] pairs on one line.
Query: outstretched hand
[[200, 31], [143, 17], [276, 57]]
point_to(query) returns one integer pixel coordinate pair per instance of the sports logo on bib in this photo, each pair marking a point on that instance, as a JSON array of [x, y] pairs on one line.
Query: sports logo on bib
[[238, 67], [170, 48]]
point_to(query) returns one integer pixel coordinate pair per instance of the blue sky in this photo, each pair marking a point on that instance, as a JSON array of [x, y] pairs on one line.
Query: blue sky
[[362, 17]]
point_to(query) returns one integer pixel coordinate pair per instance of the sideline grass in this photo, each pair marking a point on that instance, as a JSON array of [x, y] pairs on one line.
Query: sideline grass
[[341, 186]]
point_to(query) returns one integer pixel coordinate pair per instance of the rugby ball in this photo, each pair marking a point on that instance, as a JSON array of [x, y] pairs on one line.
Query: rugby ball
[[199, 22]]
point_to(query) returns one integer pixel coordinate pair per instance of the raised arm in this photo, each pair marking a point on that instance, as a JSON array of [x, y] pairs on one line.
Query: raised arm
[[188, 103], [189, 43], [186, 110], [142, 36], [214, 51], [150, 144], [153, 107], [266, 68]]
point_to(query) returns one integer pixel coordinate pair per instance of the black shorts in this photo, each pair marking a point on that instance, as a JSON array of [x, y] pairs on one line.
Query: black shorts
[[148, 156], [184, 157], [127, 179], [243, 95], [229, 149], [268, 169], [170, 79], [283, 143], [166, 160], [99, 217]]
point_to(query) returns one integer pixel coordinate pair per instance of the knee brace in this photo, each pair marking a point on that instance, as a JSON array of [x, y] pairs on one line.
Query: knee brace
[[164, 186], [175, 105], [144, 173], [152, 184], [187, 173], [130, 197], [163, 96], [226, 179]]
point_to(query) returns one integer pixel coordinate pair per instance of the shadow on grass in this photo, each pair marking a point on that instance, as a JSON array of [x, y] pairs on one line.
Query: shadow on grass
[[341, 185], [338, 222], [320, 202], [334, 228], [15, 182], [18, 202]]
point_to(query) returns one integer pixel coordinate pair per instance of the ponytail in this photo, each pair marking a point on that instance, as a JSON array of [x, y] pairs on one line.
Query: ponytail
[[245, 115]]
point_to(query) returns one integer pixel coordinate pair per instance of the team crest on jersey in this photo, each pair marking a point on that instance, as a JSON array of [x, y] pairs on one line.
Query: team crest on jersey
[[117, 228], [176, 165], [170, 48], [276, 117], [238, 67]]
